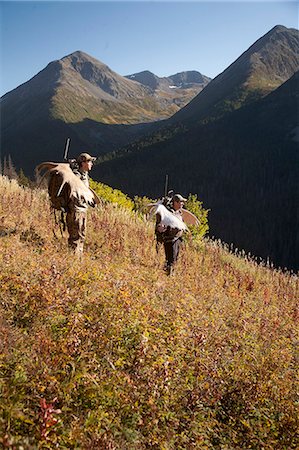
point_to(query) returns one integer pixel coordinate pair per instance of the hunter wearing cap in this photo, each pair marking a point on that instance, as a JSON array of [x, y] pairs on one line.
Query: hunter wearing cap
[[76, 217], [171, 237]]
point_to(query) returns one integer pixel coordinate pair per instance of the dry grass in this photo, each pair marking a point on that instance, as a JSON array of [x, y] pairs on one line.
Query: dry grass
[[109, 353]]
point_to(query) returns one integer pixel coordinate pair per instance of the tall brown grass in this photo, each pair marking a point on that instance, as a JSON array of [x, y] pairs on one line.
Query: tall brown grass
[[107, 352]]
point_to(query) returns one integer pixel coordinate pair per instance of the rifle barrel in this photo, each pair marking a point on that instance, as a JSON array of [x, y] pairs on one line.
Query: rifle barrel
[[66, 149], [166, 186]]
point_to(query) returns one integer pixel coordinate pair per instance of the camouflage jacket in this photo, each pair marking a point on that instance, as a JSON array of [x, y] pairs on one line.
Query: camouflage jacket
[[85, 178]]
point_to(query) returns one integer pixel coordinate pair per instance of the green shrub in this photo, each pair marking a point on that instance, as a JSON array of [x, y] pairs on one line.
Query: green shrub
[[195, 206], [110, 195]]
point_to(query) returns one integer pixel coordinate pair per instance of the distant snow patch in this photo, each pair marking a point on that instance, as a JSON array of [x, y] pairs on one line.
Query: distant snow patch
[[173, 87]]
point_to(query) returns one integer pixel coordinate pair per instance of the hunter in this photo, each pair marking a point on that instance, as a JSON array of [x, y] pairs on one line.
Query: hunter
[[171, 237], [76, 217]]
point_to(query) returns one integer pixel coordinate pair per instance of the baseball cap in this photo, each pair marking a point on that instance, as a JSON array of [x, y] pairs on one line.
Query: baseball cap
[[179, 198], [83, 157]]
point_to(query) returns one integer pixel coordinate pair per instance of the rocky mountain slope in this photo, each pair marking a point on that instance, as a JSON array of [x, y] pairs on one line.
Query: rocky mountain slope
[[90, 89]]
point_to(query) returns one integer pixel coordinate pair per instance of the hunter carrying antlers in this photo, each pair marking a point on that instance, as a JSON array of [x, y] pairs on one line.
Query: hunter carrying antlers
[[69, 192], [76, 217]]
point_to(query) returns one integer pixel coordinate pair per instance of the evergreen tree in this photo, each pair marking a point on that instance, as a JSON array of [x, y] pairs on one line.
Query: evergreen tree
[[9, 169], [23, 180], [5, 169]]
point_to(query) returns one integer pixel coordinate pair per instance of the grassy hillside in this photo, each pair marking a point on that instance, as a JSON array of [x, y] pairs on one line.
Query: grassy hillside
[[109, 353], [73, 108]]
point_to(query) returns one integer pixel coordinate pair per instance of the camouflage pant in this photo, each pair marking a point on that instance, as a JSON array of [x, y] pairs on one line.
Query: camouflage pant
[[76, 226], [172, 249]]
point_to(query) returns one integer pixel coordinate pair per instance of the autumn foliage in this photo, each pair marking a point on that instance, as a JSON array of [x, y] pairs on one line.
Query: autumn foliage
[[107, 352]]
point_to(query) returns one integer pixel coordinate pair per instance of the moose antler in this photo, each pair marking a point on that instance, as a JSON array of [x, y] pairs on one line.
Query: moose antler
[[78, 190], [167, 217]]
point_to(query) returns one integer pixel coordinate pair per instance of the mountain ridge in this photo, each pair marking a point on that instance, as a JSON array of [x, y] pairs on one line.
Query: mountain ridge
[[181, 80], [247, 78]]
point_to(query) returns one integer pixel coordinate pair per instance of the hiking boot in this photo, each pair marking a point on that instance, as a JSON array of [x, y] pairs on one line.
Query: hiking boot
[[169, 270]]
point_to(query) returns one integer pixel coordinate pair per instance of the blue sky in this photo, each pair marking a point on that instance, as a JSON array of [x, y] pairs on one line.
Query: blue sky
[[163, 37]]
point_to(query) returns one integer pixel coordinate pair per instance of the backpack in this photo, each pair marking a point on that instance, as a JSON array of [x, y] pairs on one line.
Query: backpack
[[59, 198], [65, 187]]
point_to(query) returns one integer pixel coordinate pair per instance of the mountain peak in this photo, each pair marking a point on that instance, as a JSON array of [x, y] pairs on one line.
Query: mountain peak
[[79, 54], [77, 58], [146, 78], [279, 28], [189, 77]]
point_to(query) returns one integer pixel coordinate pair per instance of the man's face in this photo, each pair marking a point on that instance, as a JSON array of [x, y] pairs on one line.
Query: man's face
[[86, 165], [177, 204]]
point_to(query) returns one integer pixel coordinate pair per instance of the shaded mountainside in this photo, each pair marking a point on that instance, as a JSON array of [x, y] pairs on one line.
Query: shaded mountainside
[[269, 62], [81, 98], [245, 167]]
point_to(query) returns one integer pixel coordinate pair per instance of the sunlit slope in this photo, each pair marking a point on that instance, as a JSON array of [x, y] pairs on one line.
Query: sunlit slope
[[262, 68], [135, 359]]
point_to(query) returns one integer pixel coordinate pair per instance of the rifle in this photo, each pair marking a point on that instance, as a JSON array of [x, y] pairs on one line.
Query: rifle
[[66, 149], [167, 199], [72, 162], [166, 185]]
